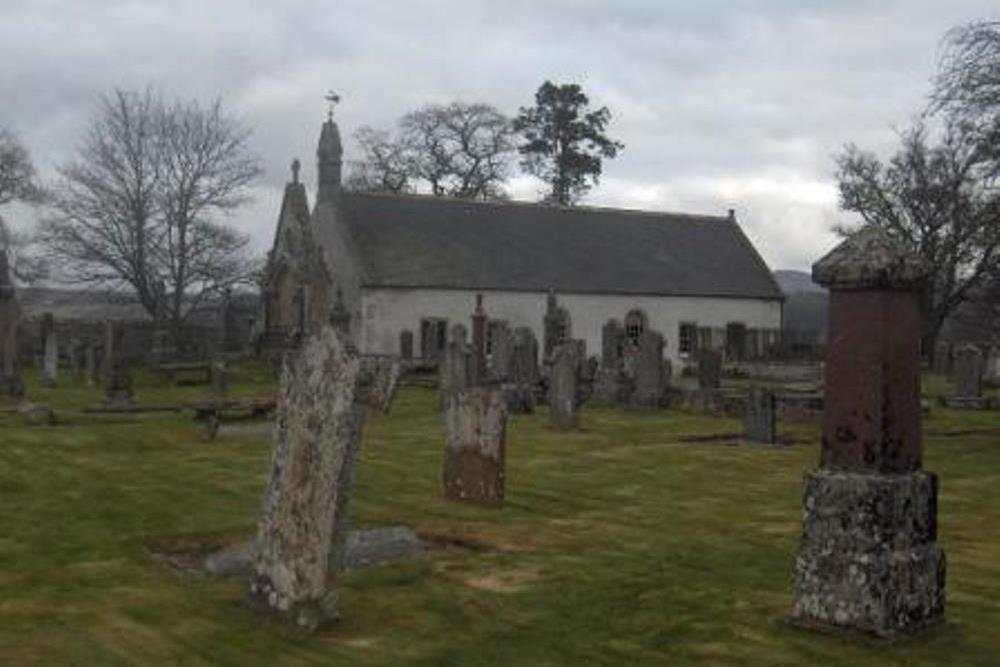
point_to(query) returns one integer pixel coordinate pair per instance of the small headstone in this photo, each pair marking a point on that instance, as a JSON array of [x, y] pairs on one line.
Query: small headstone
[[709, 370], [611, 385], [968, 372], [406, 345], [991, 369], [502, 353], [760, 421], [117, 380], [563, 387], [320, 416], [475, 455], [650, 381], [942, 358], [90, 363], [35, 414]]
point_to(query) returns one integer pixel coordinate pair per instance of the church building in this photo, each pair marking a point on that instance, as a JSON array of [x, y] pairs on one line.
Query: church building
[[403, 268]]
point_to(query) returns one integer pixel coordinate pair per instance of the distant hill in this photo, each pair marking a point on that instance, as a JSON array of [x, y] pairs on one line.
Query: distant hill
[[806, 303], [792, 282]]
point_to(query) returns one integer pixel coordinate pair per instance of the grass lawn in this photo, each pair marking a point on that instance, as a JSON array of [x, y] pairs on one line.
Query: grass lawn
[[619, 545]]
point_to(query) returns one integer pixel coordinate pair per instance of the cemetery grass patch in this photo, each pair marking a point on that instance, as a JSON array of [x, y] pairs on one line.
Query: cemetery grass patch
[[618, 543]]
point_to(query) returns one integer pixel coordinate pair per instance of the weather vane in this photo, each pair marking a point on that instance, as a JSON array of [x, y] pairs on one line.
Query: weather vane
[[332, 98]]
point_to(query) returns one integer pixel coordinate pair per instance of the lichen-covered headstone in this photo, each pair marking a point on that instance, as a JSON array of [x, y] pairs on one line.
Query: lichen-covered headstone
[[869, 560], [650, 381], [564, 387], [475, 453], [760, 416], [325, 390]]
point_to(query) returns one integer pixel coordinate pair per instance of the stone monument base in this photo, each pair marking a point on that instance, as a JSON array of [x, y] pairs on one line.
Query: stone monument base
[[307, 615], [868, 560]]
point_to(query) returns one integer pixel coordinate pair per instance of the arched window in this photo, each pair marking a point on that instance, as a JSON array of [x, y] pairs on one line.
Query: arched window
[[635, 324]]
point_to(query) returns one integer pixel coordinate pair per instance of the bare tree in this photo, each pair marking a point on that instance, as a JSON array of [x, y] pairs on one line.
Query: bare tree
[[135, 207], [383, 166], [18, 182], [932, 197], [456, 150], [461, 150]]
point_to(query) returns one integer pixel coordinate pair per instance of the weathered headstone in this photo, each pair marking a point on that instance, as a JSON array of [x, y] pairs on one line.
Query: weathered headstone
[[90, 363], [478, 368], [117, 380], [522, 386], [475, 453], [163, 348], [564, 388], [73, 356], [968, 372], [556, 327], [869, 560], [991, 369], [50, 351], [709, 370], [611, 385], [456, 371], [406, 345], [502, 352], [10, 380], [760, 416], [320, 416], [650, 381]]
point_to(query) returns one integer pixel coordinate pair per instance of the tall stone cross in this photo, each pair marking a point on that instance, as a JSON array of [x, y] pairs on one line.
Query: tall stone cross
[[869, 559]]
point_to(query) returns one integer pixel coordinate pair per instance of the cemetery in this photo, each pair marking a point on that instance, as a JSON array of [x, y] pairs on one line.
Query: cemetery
[[521, 511]]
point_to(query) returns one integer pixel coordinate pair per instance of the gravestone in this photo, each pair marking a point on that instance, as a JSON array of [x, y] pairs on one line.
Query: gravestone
[[10, 380], [117, 380], [475, 454], [477, 370], [968, 372], [709, 370], [325, 388], [611, 385], [991, 369], [868, 560], [502, 352], [73, 356], [220, 378], [556, 327], [456, 371], [942, 358], [521, 390], [50, 351], [564, 388], [406, 345], [163, 348], [760, 416], [650, 380], [90, 363]]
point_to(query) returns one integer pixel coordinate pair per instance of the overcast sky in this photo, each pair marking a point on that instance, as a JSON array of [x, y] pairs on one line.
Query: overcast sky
[[720, 103]]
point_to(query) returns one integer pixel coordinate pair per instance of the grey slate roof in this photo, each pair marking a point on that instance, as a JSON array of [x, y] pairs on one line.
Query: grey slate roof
[[437, 242]]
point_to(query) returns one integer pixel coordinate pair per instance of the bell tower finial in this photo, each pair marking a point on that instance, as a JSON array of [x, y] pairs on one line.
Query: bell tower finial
[[332, 100]]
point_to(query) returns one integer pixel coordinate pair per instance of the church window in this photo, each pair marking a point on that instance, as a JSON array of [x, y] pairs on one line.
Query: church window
[[635, 324], [686, 336]]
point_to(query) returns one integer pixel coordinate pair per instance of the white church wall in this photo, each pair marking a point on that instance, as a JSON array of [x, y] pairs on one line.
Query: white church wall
[[386, 312]]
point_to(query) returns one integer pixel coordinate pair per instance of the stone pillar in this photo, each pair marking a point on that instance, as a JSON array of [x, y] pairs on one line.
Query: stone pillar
[[456, 371], [479, 342], [563, 387], [524, 374], [611, 386], [50, 351], [760, 420], [868, 560], [502, 353], [475, 455], [117, 381]]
